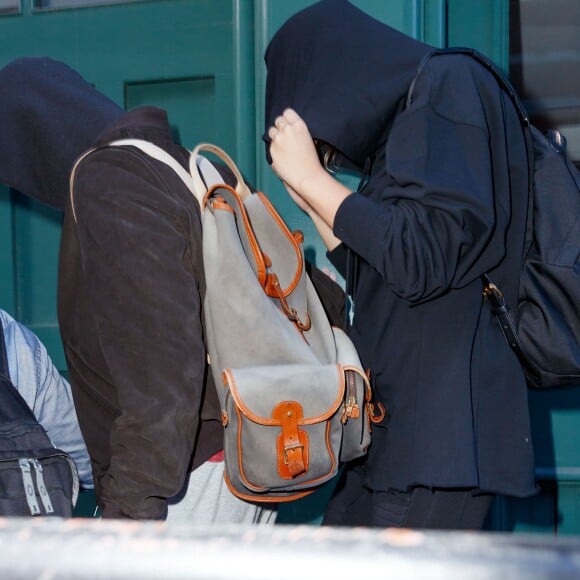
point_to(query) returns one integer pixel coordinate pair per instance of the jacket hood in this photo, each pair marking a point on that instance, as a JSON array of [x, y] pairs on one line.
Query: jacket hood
[[343, 72], [49, 115]]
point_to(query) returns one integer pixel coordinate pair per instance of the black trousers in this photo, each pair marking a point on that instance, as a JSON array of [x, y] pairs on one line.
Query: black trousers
[[353, 504]]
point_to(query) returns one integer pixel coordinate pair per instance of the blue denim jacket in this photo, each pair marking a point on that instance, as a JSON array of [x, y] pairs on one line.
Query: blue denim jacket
[[47, 393]]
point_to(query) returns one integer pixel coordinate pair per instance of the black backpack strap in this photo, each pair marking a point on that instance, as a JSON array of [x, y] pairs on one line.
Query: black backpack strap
[[508, 327], [487, 63], [505, 85], [499, 307]]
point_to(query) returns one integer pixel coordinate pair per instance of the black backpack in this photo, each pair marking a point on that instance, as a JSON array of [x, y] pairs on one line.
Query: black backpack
[[35, 478], [544, 329]]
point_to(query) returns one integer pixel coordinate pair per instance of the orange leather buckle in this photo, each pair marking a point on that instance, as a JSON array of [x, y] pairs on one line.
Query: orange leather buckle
[[273, 289], [292, 442]]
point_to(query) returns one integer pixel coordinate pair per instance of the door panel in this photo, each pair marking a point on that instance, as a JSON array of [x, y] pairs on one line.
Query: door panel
[[7, 287], [36, 234], [181, 98], [187, 56], [480, 24]]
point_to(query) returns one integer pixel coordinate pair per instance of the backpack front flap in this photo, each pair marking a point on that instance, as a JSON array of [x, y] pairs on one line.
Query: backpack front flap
[[283, 428], [244, 325], [549, 313], [285, 280], [247, 249]]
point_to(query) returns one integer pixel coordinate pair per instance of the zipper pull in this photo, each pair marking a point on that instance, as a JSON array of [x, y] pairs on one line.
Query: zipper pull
[[353, 409], [28, 484], [43, 492]]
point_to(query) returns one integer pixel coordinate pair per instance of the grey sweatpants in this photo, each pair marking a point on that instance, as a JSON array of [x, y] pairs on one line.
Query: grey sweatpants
[[206, 499]]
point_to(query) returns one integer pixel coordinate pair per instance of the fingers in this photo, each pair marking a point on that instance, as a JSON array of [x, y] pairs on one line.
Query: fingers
[[291, 116], [278, 126], [288, 117]]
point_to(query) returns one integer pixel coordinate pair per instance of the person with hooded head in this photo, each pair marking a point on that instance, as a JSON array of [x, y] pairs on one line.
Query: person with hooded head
[[130, 294], [49, 115], [41, 102], [443, 201]]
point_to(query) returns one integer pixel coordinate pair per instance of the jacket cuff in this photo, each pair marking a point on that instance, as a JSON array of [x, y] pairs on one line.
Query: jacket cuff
[[357, 224], [337, 258]]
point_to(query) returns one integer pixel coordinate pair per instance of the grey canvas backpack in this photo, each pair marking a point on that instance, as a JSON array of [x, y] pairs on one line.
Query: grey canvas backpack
[[295, 401]]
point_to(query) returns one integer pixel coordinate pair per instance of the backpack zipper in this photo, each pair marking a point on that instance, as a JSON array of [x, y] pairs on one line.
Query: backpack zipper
[[29, 490], [41, 486]]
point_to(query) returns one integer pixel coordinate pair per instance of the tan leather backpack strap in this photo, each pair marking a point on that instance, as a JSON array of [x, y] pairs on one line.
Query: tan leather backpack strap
[[241, 188], [161, 155]]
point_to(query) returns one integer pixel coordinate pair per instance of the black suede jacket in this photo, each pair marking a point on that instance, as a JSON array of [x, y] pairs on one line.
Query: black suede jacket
[[130, 313]]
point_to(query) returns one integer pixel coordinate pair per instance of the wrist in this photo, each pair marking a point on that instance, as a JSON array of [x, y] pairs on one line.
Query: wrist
[[323, 194], [312, 179]]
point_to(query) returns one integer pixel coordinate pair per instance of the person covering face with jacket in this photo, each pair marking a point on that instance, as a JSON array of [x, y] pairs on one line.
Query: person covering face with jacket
[[443, 202], [130, 294]]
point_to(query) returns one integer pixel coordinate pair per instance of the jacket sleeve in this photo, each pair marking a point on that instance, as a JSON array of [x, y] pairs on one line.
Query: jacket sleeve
[[436, 220], [137, 264], [46, 392]]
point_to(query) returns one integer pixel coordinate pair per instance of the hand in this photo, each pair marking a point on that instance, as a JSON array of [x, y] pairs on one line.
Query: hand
[[294, 157], [296, 163]]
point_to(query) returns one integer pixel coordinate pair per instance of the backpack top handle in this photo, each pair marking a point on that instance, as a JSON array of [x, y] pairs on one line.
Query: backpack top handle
[[241, 188]]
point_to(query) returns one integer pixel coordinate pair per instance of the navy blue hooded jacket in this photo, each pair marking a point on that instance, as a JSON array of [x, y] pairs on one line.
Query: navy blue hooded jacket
[[444, 204]]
